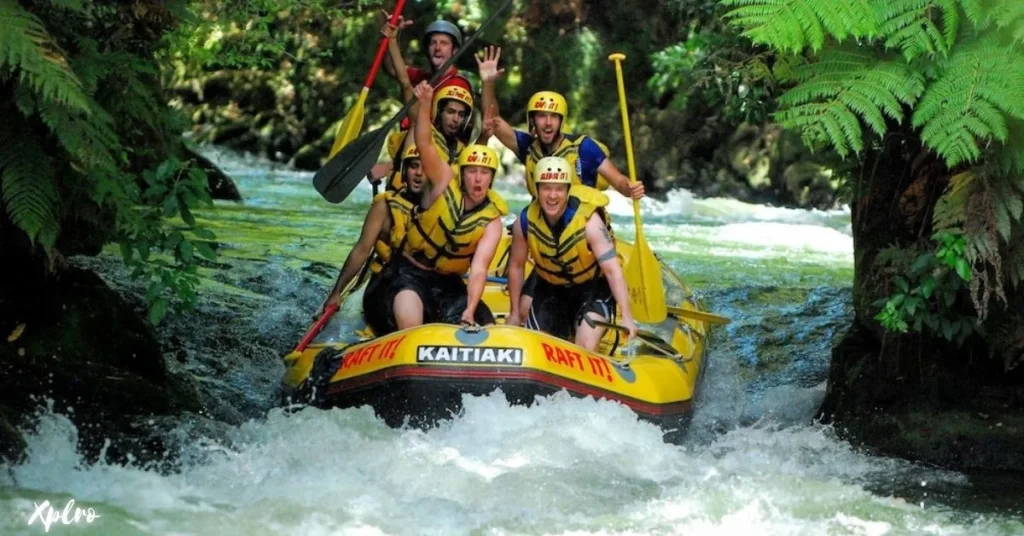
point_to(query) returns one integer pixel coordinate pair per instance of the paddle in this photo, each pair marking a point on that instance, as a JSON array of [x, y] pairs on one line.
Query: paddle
[[315, 328], [353, 122], [642, 271], [333, 308], [699, 315], [344, 170], [647, 336]]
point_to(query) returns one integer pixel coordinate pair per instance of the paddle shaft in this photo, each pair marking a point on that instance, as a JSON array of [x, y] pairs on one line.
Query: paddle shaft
[[699, 315], [381, 133], [315, 328], [383, 46], [617, 59]]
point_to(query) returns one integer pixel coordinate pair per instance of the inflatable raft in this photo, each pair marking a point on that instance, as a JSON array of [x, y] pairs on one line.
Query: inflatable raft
[[418, 376]]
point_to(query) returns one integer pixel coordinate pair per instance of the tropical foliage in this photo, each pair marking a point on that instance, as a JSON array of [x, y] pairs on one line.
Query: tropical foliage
[[86, 139], [952, 71]]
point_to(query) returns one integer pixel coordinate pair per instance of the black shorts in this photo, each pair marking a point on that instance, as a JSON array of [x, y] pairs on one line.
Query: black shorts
[[444, 297], [559, 309], [530, 286], [377, 306]]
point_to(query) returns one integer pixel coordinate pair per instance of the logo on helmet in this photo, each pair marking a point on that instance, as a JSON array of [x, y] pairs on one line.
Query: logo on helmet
[[473, 158], [545, 105], [456, 92]]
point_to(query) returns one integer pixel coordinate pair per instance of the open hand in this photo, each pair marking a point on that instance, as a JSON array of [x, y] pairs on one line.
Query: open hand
[[487, 62]]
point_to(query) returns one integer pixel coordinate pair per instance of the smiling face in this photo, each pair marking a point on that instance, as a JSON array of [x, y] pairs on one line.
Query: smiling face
[[440, 49], [553, 198], [414, 175], [548, 126], [476, 181], [452, 116]]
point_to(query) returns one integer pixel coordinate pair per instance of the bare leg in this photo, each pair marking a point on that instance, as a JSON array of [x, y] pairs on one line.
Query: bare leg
[[590, 337], [408, 308]]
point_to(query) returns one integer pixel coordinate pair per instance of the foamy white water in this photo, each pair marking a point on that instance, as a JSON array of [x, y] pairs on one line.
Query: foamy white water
[[564, 466]]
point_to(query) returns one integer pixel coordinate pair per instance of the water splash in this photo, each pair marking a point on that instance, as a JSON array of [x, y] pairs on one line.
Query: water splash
[[566, 465]]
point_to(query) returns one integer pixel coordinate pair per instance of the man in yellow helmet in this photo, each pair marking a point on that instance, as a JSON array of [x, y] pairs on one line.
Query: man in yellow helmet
[[456, 230], [451, 118], [546, 112], [574, 257], [383, 234]]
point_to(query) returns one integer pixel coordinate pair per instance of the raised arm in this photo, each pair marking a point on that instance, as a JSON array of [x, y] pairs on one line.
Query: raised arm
[[487, 63], [375, 221], [482, 258], [516, 271], [603, 246], [436, 169], [394, 64], [498, 127]]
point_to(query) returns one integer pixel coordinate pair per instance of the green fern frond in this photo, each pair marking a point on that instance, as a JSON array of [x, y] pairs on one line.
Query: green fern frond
[[132, 98], [29, 186], [792, 25], [1008, 15], [914, 27], [28, 48], [1009, 158], [951, 209], [1008, 202], [843, 88], [90, 142], [971, 100], [975, 12]]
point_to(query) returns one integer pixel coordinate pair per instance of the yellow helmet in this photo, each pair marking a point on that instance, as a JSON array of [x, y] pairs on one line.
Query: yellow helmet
[[478, 155], [410, 152], [553, 170], [547, 101], [456, 93]]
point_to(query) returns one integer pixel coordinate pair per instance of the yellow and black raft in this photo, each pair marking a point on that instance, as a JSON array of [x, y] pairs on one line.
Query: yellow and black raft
[[419, 375]]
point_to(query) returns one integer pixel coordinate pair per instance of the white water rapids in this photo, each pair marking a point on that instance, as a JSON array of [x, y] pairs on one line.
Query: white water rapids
[[565, 466]]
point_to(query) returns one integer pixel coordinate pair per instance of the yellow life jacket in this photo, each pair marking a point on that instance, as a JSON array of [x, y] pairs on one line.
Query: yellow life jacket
[[449, 152], [400, 209], [444, 238], [564, 258], [569, 149]]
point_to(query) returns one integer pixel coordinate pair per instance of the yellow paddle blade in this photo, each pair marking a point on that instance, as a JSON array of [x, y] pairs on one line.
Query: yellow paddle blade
[[643, 280], [349, 128], [699, 315]]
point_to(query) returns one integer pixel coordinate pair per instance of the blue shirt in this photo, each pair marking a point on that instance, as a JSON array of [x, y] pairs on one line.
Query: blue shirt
[[590, 154]]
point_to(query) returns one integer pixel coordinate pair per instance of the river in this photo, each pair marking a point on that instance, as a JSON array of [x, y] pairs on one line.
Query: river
[[754, 463]]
